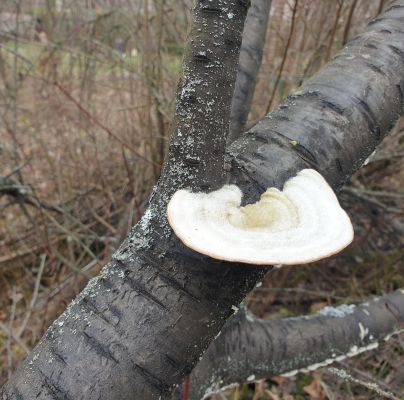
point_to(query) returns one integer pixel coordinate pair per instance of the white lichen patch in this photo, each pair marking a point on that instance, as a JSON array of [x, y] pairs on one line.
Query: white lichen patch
[[249, 316], [146, 218], [217, 335], [366, 162], [314, 367], [218, 387], [353, 351], [338, 312], [290, 373], [363, 331], [341, 373], [190, 86]]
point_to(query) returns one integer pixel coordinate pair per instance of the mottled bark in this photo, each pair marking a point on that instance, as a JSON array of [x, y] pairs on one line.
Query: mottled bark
[[251, 52], [139, 327], [250, 348]]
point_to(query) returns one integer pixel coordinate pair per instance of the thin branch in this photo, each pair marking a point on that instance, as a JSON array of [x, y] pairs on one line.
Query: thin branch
[[27, 316], [346, 376], [100, 125], [251, 52], [381, 5], [349, 22], [284, 57], [334, 29]]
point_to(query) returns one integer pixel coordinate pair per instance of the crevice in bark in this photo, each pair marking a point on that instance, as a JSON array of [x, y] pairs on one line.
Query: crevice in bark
[[53, 390], [110, 314], [57, 355], [306, 155], [393, 7], [99, 347], [155, 382], [142, 291], [397, 51]]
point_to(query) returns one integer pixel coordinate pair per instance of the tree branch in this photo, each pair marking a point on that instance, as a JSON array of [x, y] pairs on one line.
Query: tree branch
[[335, 120], [11, 187], [284, 56], [251, 52], [250, 348]]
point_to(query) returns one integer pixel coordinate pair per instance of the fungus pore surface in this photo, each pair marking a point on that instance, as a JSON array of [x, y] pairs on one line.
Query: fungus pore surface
[[302, 223]]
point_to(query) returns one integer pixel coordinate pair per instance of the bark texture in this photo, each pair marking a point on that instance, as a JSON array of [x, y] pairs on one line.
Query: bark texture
[[249, 348], [139, 327], [335, 120], [251, 53]]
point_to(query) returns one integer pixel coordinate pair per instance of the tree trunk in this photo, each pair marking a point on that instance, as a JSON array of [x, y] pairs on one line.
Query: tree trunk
[[139, 327]]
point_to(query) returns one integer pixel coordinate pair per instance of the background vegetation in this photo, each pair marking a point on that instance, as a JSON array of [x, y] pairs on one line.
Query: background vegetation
[[86, 98]]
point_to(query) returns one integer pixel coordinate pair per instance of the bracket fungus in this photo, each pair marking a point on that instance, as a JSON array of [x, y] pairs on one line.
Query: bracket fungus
[[302, 223]]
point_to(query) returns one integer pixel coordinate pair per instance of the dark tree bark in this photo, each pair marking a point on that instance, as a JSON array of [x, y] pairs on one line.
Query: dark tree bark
[[250, 348], [251, 52], [334, 121], [138, 328]]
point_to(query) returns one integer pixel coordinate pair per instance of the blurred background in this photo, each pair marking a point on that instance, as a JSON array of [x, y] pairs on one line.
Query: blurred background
[[86, 99]]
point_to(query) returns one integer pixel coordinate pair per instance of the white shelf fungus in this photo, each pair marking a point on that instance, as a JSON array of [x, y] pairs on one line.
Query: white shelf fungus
[[302, 223]]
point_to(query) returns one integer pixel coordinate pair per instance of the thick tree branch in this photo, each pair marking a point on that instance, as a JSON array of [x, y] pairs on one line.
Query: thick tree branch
[[335, 120], [251, 52], [139, 327], [249, 348]]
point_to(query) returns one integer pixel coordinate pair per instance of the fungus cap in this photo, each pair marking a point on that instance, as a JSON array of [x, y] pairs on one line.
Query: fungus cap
[[302, 223]]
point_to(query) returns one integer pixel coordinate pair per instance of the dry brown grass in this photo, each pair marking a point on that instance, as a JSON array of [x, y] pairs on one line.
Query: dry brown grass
[[84, 121], [83, 124]]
